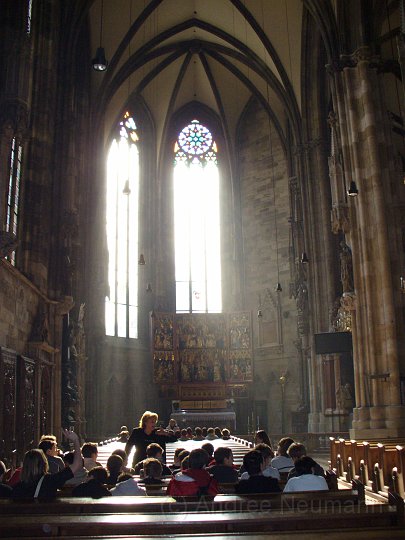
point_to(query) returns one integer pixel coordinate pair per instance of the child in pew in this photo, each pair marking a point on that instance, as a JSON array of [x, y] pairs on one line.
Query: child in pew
[[127, 486], [198, 434], [114, 467], [226, 434], [152, 470], [154, 450], [209, 448], [120, 452], [262, 437], [50, 448], [176, 465], [223, 471], [90, 453], [211, 434], [35, 479], [183, 436], [268, 470], [296, 451], [256, 483], [80, 476], [123, 435], [181, 456], [95, 485], [282, 461], [306, 479], [194, 481]]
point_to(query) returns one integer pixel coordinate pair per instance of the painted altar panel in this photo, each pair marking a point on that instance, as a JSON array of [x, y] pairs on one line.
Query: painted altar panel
[[202, 349]]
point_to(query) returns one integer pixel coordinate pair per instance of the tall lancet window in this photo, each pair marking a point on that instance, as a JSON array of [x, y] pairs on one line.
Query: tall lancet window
[[13, 191], [121, 307], [197, 222]]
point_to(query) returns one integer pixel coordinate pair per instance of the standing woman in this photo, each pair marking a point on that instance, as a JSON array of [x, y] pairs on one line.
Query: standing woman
[[35, 478], [146, 434]]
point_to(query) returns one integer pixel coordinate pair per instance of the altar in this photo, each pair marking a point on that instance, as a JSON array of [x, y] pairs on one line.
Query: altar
[[205, 418]]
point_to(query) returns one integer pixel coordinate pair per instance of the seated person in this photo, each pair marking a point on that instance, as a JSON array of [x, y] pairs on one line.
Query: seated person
[[218, 432], [172, 425], [305, 480], [282, 461], [154, 450], [204, 431], [209, 448], [211, 434], [95, 485], [183, 435], [50, 449], [35, 478], [152, 472], [180, 458], [194, 481], [90, 453], [198, 434], [80, 475], [268, 470], [223, 470], [256, 483], [262, 437], [296, 451], [176, 466], [114, 468], [189, 434], [120, 452], [123, 435], [5, 490], [126, 485], [226, 434]]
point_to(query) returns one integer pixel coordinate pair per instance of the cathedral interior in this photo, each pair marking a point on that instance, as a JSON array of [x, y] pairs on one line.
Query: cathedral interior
[[277, 291]]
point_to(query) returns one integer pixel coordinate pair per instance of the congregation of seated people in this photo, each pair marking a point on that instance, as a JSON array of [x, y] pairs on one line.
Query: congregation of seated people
[[198, 472]]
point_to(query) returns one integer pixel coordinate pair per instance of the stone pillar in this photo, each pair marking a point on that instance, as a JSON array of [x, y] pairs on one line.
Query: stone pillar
[[366, 148]]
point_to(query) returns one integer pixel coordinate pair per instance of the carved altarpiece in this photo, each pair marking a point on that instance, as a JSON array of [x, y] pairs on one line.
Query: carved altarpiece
[[202, 356]]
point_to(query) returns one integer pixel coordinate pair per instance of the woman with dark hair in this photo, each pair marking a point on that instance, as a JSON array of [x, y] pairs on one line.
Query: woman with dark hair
[[261, 437], [35, 478], [146, 434]]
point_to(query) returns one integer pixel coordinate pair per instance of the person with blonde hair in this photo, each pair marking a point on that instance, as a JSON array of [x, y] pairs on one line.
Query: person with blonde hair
[[35, 478], [142, 436]]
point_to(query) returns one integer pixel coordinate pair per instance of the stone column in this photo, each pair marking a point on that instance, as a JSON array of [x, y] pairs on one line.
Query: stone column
[[366, 147]]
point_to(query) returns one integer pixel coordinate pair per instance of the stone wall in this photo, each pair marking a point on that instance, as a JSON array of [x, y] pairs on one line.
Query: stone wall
[[275, 331]]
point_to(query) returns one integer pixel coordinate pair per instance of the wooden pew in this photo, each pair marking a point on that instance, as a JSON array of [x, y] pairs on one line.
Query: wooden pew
[[371, 462], [144, 504], [191, 523]]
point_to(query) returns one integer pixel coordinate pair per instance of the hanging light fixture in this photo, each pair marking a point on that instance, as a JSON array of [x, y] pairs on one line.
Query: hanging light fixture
[[353, 191], [141, 260], [99, 62], [278, 288], [259, 314], [304, 258]]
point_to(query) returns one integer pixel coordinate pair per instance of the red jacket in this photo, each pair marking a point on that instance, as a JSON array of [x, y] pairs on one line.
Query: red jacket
[[201, 479]]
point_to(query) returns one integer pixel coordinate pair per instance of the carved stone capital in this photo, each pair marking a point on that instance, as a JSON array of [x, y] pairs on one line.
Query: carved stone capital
[[362, 54]]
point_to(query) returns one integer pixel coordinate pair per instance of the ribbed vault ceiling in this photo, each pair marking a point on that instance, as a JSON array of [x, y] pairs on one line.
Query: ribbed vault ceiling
[[216, 52]]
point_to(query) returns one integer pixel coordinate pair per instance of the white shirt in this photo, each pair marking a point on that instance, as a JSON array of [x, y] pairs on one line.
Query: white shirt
[[282, 463], [306, 482], [127, 487]]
